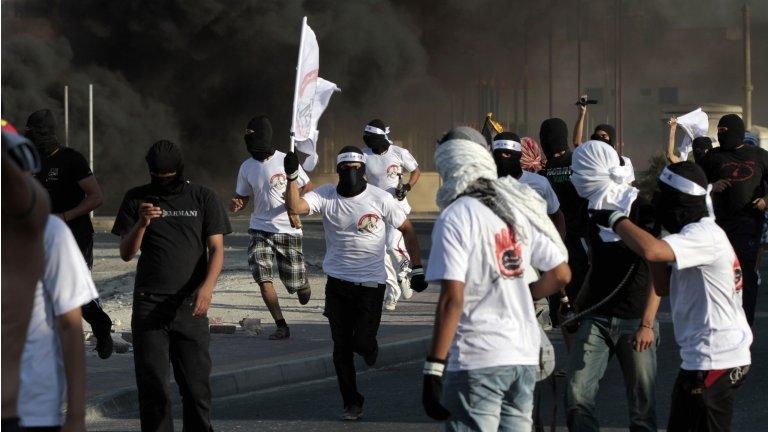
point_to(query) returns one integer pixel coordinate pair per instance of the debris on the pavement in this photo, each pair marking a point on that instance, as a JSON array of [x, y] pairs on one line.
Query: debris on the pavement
[[127, 336], [120, 345], [252, 326], [223, 328], [215, 320]]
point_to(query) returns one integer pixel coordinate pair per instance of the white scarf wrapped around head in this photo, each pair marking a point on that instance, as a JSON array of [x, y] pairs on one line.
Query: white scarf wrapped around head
[[461, 163], [602, 180]]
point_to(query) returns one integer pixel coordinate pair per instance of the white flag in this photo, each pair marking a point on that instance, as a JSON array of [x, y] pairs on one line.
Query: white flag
[[310, 98], [323, 93], [695, 124]]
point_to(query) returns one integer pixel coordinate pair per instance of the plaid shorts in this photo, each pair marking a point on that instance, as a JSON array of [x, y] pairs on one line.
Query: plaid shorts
[[290, 258]]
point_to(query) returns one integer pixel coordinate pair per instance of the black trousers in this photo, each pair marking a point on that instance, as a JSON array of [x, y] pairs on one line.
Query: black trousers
[[164, 331], [579, 263], [702, 401], [744, 235], [93, 314], [354, 314]]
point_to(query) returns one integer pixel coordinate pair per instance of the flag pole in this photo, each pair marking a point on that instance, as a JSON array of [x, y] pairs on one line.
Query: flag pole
[[66, 116], [298, 78], [90, 128]]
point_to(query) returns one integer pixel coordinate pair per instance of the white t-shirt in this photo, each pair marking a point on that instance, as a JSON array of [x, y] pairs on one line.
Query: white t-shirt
[[382, 170], [498, 326], [66, 284], [355, 232], [705, 294], [541, 185], [265, 182]]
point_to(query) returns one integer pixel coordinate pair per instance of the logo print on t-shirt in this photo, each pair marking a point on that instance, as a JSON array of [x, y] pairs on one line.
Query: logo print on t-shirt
[[737, 171], [738, 277], [393, 171], [509, 256], [278, 181], [368, 223], [53, 174]]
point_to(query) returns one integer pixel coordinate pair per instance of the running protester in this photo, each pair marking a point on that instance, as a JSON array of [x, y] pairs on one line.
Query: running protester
[[507, 151], [553, 136], [617, 298], [262, 177], [355, 215], [74, 193], [179, 227], [705, 289], [486, 338], [739, 174], [384, 167], [53, 363], [24, 214]]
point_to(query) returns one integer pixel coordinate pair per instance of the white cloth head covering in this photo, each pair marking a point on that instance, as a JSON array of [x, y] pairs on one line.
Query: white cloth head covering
[[599, 177], [461, 161], [695, 124]]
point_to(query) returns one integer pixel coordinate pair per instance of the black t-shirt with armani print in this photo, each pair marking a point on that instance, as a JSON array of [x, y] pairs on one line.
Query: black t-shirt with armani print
[[174, 252]]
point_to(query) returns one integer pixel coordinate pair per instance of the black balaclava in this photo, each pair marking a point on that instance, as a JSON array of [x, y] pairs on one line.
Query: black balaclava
[[164, 157], [378, 142], [41, 130], [734, 136], [258, 138], [351, 181], [701, 146], [553, 136], [676, 209], [607, 129], [509, 165]]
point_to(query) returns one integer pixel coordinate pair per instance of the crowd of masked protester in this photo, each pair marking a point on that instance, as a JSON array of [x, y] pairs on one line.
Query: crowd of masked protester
[[532, 236]]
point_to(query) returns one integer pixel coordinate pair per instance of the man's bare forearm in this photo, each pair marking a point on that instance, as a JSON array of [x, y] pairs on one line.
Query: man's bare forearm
[[551, 281], [90, 203], [447, 316], [411, 242], [414, 177], [651, 305], [72, 349], [131, 242]]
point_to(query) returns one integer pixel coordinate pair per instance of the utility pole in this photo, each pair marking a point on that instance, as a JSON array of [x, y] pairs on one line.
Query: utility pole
[[578, 48], [66, 116], [618, 84], [747, 69], [90, 128], [549, 54]]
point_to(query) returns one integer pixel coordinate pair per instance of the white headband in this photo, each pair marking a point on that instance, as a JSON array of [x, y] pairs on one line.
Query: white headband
[[350, 157], [507, 145], [375, 130], [681, 183]]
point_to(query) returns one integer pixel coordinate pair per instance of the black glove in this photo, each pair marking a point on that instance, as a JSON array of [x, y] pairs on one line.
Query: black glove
[[291, 166], [402, 192], [607, 218], [433, 389], [418, 283]]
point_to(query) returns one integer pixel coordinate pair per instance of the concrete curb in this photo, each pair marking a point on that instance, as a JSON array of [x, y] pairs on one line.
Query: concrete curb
[[125, 400]]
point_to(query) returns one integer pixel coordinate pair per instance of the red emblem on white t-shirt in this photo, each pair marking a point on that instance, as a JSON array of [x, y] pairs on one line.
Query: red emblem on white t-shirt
[[393, 171], [509, 256], [278, 181], [368, 223], [738, 277]]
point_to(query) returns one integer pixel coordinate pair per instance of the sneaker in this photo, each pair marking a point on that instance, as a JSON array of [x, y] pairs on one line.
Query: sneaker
[[280, 333], [352, 412], [105, 346], [390, 305], [370, 359], [304, 295], [405, 287]]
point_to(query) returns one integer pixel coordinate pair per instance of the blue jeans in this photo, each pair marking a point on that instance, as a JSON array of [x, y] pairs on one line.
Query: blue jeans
[[596, 341], [490, 399]]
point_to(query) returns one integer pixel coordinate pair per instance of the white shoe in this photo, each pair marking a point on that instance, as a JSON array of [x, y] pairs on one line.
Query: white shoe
[[405, 286], [390, 305]]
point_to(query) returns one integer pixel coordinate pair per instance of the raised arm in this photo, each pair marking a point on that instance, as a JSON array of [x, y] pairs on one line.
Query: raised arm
[[635, 238], [578, 130], [671, 157], [293, 202]]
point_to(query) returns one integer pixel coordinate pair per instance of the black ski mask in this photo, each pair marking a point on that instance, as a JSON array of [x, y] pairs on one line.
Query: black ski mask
[[701, 146], [607, 129], [676, 209], [351, 180], [258, 138], [41, 130], [553, 136], [733, 135], [164, 157], [377, 142], [507, 160]]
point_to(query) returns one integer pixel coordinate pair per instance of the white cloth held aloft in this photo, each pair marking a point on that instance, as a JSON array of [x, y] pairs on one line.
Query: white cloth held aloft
[[599, 178], [695, 124], [323, 93]]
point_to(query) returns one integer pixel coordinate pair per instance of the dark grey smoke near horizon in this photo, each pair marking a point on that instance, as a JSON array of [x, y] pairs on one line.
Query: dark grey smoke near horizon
[[196, 71]]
